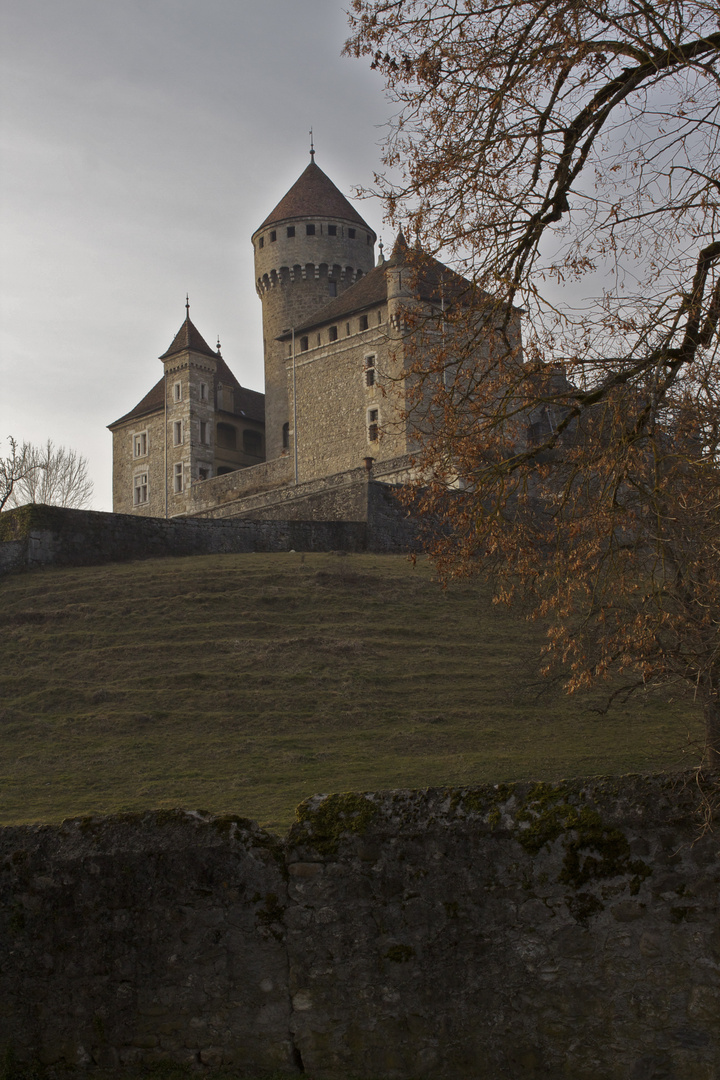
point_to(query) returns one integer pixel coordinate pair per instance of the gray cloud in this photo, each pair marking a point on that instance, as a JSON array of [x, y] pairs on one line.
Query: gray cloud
[[142, 142]]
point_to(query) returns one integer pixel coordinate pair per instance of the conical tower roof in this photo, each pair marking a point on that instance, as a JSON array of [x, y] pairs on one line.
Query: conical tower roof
[[314, 195], [189, 337]]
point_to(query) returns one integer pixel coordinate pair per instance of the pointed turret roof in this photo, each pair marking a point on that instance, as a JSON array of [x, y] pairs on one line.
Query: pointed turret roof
[[188, 337], [248, 403], [400, 250], [314, 195]]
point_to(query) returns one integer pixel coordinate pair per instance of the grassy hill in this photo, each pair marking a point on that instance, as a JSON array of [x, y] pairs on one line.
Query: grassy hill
[[245, 683]]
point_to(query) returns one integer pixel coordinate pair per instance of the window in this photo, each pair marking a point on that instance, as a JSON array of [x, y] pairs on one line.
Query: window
[[286, 436], [347, 329], [372, 425], [203, 391], [204, 472], [318, 339], [304, 344], [273, 236], [309, 230], [140, 489], [369, 370], [261, 242], [332, 288], [177, 391], [178, 478], [332, 333], [332, 230], [252, 443], [177, 432], [227, 436], [351, 234], [379, 317], [140, 444], [290, 230], [204, 432], [363, 322]]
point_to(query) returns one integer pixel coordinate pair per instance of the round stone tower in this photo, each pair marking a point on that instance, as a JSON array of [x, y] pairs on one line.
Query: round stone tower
[[312, 247]]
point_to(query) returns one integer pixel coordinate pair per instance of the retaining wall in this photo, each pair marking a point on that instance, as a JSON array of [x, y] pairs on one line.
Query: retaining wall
[[37, 536], [519, 931]]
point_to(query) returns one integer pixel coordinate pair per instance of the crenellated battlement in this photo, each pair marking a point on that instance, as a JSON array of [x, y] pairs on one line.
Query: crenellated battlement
[[311, 271]]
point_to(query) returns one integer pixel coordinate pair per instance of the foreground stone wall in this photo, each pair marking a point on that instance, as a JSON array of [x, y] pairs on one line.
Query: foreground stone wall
[[511, 931]]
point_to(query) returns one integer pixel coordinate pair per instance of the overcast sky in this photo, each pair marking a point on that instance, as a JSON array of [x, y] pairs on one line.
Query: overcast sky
[[141, 143]]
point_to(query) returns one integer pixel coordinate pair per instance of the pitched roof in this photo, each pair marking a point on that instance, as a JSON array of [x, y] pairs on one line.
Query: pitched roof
[[371, 289], [154, 401], [429, 280], [314, 195], [188, 337], [249, 403]]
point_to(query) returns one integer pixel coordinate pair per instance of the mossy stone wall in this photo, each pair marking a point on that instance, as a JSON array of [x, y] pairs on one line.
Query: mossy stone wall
[[514, 931]]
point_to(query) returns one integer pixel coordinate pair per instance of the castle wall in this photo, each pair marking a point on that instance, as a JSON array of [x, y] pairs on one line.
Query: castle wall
[[295, 277], [335, 405], [127, 466], [512, 931]]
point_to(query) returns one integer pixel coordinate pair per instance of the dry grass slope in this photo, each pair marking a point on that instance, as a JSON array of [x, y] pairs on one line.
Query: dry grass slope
[[245, 683]]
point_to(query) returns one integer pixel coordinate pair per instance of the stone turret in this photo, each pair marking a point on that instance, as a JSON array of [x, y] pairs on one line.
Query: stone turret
[[310, 248]]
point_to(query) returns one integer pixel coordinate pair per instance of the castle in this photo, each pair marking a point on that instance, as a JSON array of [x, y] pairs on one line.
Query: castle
[[200, 444]]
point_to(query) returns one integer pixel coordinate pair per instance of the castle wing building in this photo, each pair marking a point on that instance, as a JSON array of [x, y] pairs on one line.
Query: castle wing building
[[197, 422]]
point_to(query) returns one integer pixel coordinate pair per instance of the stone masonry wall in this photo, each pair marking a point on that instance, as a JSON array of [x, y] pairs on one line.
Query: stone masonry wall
[[516, 931], [349, 513], [52, 536]]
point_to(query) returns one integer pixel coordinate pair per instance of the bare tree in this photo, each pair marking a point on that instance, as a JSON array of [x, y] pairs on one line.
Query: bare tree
[[565, 154], [53, 475], [14, 468]]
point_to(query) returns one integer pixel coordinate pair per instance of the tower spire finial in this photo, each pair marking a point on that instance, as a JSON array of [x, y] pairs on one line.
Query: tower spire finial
[[187, 306], [312, 146]]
